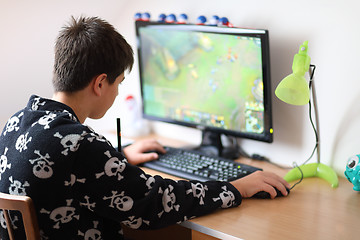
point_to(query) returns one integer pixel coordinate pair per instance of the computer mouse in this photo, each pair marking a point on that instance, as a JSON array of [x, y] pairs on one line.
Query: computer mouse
[[263, 194]]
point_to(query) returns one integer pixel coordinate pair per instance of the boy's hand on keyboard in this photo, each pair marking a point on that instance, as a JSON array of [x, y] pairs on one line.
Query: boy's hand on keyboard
[[143, 151], [261, 181]]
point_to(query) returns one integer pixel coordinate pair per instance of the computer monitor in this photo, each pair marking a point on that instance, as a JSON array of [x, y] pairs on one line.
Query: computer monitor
[[216, 79]]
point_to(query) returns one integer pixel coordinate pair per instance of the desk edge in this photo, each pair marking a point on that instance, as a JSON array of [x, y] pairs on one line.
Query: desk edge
[[208, 231]]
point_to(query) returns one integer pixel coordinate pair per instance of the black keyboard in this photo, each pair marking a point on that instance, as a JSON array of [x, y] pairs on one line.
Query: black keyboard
[[193, 165]]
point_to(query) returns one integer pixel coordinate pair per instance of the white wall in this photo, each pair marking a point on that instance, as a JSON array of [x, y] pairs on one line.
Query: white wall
[[29, 29]]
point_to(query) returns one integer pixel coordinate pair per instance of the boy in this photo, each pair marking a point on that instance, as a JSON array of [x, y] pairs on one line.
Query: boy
[[77, 180]]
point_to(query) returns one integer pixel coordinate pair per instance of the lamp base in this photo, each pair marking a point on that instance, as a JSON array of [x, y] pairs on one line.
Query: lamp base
[[313, 170]]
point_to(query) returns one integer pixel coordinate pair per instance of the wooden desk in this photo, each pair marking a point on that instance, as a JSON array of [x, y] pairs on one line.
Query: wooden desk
[[313, 210]]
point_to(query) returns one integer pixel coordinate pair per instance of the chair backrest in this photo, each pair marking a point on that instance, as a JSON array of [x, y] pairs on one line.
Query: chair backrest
[[25, 205]]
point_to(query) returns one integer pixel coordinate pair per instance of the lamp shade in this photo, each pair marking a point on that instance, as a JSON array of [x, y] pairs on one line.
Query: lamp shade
[[293, 89]]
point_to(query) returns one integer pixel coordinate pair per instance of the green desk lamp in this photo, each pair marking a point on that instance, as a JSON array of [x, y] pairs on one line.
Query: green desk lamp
[[295, 90]]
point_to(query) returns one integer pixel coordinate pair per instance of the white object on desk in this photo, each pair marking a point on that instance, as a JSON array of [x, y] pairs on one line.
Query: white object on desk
[[133, 125]]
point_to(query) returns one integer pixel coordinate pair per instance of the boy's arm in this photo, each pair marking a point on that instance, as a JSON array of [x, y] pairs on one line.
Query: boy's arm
[[123, 192]]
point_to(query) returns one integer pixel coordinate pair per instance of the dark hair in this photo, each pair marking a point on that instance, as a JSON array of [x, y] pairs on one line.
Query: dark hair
[[87, 47]]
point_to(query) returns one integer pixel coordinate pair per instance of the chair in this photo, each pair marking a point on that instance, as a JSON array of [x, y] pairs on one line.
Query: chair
[[25, 205]]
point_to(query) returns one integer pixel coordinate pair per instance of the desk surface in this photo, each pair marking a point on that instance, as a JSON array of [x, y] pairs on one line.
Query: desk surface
[[313, 210]]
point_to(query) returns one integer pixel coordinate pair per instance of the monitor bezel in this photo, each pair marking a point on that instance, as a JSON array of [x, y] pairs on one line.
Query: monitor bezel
[[267, 135]]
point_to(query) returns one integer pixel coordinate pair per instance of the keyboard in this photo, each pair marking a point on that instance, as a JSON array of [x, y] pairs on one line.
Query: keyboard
[[193, 165]]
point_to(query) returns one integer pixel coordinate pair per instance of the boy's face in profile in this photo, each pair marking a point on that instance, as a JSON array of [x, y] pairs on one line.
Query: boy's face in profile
[[108, 97]]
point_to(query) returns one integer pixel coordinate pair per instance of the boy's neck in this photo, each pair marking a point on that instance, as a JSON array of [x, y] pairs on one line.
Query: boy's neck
[[75, 101]]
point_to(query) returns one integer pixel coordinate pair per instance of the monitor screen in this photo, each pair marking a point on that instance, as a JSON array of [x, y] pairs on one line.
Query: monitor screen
[[212, 78]]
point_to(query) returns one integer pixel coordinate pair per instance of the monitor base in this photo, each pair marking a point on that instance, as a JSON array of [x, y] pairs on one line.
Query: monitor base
[[211, 144]]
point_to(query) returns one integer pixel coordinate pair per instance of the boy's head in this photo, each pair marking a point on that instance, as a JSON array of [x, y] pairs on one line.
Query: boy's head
[[86, 48]]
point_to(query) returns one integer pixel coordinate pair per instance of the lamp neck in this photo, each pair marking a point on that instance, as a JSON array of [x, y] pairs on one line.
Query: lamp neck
[[317, 128]]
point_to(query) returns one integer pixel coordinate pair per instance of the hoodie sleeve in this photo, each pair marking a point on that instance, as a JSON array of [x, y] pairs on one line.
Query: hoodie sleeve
[[125, 193]]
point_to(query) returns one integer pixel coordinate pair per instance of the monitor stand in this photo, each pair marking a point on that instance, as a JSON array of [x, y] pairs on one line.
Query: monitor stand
[[211, 144]]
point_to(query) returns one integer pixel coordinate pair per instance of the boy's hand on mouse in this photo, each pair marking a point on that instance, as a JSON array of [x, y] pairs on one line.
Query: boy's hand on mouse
[[261, 181], [138, 152]]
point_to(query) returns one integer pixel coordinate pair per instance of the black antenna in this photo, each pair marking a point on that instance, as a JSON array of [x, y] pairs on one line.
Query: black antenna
[[118, 131]]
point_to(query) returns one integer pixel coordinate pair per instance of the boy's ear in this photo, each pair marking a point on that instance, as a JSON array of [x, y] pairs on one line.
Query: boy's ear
[[98, 84]]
